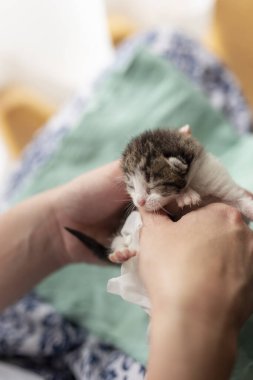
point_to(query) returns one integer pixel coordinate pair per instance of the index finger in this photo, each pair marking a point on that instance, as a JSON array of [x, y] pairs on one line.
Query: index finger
[[248, 193], [152, 219]]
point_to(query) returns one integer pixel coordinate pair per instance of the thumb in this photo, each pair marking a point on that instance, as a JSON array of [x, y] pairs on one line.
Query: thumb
[[151, 218]]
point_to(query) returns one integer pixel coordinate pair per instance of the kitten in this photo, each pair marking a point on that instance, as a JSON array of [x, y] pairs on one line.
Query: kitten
[[157, 164], [163, 165]]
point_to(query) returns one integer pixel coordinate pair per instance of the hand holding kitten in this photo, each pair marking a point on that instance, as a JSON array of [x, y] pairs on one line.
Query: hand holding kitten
[[164, 166], [94, 203], [200, 283], [210, 248]]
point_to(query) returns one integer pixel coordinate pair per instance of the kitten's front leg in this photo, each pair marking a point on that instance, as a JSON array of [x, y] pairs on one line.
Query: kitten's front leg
[[121, 251], [188, 198]]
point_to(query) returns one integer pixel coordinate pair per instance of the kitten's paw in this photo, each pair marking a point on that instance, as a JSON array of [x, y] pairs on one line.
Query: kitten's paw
[[121, 255], [189, 198], [180, 201], [246, 207]]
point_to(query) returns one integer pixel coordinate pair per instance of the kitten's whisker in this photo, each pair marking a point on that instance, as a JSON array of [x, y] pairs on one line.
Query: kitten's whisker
[[153, 214], [129, 205], [130, 202], [128, 212], [166, 211], [129, 209], [122, 200]]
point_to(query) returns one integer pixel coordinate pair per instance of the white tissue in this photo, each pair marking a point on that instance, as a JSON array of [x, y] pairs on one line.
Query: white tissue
[[129, 285]]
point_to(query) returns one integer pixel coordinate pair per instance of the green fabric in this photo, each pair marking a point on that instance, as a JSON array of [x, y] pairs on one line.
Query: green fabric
[[146, 93]]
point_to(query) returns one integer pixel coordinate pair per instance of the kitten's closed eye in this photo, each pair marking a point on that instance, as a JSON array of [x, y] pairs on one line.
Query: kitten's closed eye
[[166, 190], [164, 183], [156, 165], [161, 186]]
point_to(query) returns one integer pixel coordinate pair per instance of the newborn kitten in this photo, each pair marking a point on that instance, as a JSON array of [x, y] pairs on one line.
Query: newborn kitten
[[162, 165], [156, 165]]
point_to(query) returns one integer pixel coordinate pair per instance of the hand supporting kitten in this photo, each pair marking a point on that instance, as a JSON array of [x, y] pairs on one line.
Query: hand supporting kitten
[[162, 166]]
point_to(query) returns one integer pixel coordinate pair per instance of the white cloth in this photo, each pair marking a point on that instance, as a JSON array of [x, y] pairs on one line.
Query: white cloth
[[129, 285], [11, 372]]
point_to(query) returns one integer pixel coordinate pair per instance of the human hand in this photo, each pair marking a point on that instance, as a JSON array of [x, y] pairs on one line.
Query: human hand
[[198, 272], [203, 262], [34, 242], [93, 203]]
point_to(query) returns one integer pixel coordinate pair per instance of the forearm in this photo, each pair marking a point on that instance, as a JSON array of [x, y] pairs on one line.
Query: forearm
[[188, 347], [29, 244]]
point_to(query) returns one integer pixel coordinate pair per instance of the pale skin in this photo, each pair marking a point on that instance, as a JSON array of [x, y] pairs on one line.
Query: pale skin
[[200, 281], [33, 240], [200, 276]]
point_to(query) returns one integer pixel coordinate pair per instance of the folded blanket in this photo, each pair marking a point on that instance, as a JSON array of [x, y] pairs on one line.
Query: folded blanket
[[144, 93]]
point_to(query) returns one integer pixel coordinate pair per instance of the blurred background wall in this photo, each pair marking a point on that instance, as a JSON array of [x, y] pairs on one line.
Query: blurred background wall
[[51, 45], [192, 16], [48, 50], [51, 49]]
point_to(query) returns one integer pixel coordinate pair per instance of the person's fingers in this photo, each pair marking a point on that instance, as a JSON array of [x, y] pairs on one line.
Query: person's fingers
[[116, 182], [108, 186], [153, 219], [214, 212], [248, 193], [176, 212]]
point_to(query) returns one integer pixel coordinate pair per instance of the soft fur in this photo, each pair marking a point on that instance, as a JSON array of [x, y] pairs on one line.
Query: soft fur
[[157, 165], [162, 165]]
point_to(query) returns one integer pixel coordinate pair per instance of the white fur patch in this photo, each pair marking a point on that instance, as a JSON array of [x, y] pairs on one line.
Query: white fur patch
[[211, 178], [153, 201], [140, 188]]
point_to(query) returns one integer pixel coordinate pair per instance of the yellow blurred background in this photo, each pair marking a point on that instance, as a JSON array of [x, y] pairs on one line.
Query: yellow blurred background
[[47, 80]]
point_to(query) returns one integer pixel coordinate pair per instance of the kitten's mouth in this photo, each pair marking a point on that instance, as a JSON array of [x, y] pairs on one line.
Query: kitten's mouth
[[148, 207], [152, 208], [161, 205]]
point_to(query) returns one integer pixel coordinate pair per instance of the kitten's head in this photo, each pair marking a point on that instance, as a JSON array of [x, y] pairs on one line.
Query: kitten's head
[[156, 166]]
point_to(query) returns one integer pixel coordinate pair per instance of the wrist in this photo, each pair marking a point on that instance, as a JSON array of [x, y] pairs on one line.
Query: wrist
[[30, 247], [44, 229], [189, 346], [209, 302], [54, 230]]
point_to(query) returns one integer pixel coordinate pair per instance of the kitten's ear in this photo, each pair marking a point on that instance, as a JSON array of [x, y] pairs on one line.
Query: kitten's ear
[[186, 130], [177, 165]]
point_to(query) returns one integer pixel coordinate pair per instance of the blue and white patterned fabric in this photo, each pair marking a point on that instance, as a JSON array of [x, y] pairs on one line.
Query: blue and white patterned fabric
[[36, 337], [204, 69], [32, 334]]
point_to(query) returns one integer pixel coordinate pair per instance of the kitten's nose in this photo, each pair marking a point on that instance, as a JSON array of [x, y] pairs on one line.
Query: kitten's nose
[[141, 202]]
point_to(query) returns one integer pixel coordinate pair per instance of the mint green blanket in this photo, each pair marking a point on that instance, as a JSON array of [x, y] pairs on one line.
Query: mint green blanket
[[146, 93]]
